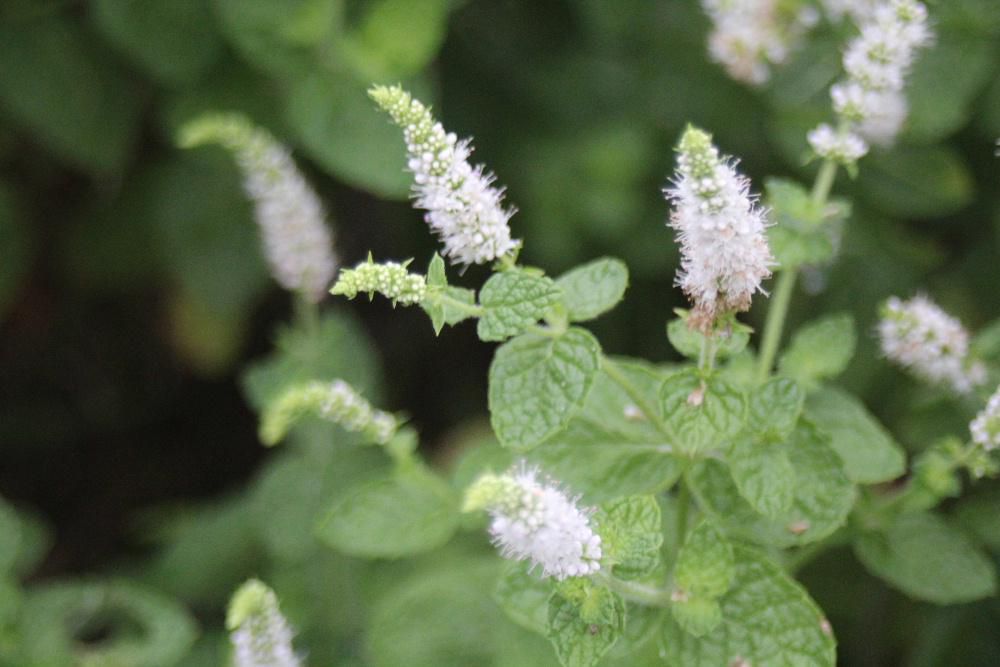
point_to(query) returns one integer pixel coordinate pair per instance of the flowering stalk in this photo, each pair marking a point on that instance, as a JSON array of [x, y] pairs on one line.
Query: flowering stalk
[[297, 241], [933, 345], [749, 36], [260, 635], [390, 279], [463, 208], [336, 401], [537, 521], [720, 228]]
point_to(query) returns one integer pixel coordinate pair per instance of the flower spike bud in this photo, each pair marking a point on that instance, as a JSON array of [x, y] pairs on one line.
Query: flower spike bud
[[390, 279], [749, 36], [260, 635], [985, 427], [536, 521], [933, 345], [297, 242], [336, 401], [720, 228], [463, 207]]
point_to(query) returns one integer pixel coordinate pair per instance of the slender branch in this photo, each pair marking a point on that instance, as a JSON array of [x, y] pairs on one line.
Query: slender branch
[[775, 322], [633, 591], [307, 314], [706, 358], [824, 181], [440, 297]]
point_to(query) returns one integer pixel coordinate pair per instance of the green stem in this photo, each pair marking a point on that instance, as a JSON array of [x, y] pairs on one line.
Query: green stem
[[613, 371], [307, 314], [706, 358], [775, 322], [683, 509], [633, 591], [470, 309], [824, 181]]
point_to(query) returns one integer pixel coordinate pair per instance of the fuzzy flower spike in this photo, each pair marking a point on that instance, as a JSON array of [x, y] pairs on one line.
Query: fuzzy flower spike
[[297, 242], [463, 207], [535, 520], [260, 635], [933, 345], [720, 228]]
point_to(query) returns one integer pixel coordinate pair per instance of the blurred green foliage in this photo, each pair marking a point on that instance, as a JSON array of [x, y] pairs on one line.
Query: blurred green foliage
[[575, 104]]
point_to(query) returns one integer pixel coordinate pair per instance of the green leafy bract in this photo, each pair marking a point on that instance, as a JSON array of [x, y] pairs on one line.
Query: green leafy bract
[[767, 619], [803, 233], [584, 622], [819, 350], [442, 311], [512, 301], [594, 288], [869, 452], [537, 383], [727, 342], [927, 558], [409, 512]]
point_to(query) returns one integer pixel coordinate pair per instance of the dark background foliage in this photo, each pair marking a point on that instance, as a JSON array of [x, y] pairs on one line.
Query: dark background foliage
[[132, 291]]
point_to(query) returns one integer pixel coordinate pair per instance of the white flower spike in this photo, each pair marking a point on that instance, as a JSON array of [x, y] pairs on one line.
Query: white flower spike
[[297, 242], [933, 345], [463, 207], [260, 635], [985, 428], [537, 521], [720, 228]]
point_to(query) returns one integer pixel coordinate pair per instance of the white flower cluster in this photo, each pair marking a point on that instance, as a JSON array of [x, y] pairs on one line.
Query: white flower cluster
[[749, 36], [537, 521], [985, 427], [463, 208], [297, 241], [924, 339], [720, 227], [870, 103], [390, 279], [260, 635], [335, 401]]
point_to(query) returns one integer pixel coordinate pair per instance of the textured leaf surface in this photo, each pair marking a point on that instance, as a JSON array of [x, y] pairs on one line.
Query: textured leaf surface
[[537, 383], [688, 342], [524, 597], [775, 407], [513, 301], [820, 350], [582, 631], [609, 449], [408, 513], [823, 495], [869, 452], [764, 476], [701, 416], [705, 563], [768, 619], [594, 288], [631, 534], [928, 559], [444, 311]]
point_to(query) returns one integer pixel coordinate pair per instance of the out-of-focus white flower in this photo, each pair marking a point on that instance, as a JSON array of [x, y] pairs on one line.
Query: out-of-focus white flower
[[749, 36], [720, 228], [933, 345], [842, 146], [985, 427], [260, 635], [463, 208], [857, 10], [336, 401], [390, 279], [297, 242], [870, 102], [537, 521]]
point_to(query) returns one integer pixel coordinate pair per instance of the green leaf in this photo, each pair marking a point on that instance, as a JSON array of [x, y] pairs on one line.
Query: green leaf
[[701, 415], [697, 615], [174, 41], [978, 515], [690, 342], [768, 619], [537, 383], [704, 565], [333, 120], [396, 38], [774, 408], [280, 36], [524, 596], [410, 512], [869, 452], [594, 288], [764, 475], [513, 301], [823, 495], [820, 350], [443, 311], [582, 630], [610, 450], [917, 181], [73, 97], [631, 535], [804, 230], [925, 557]]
